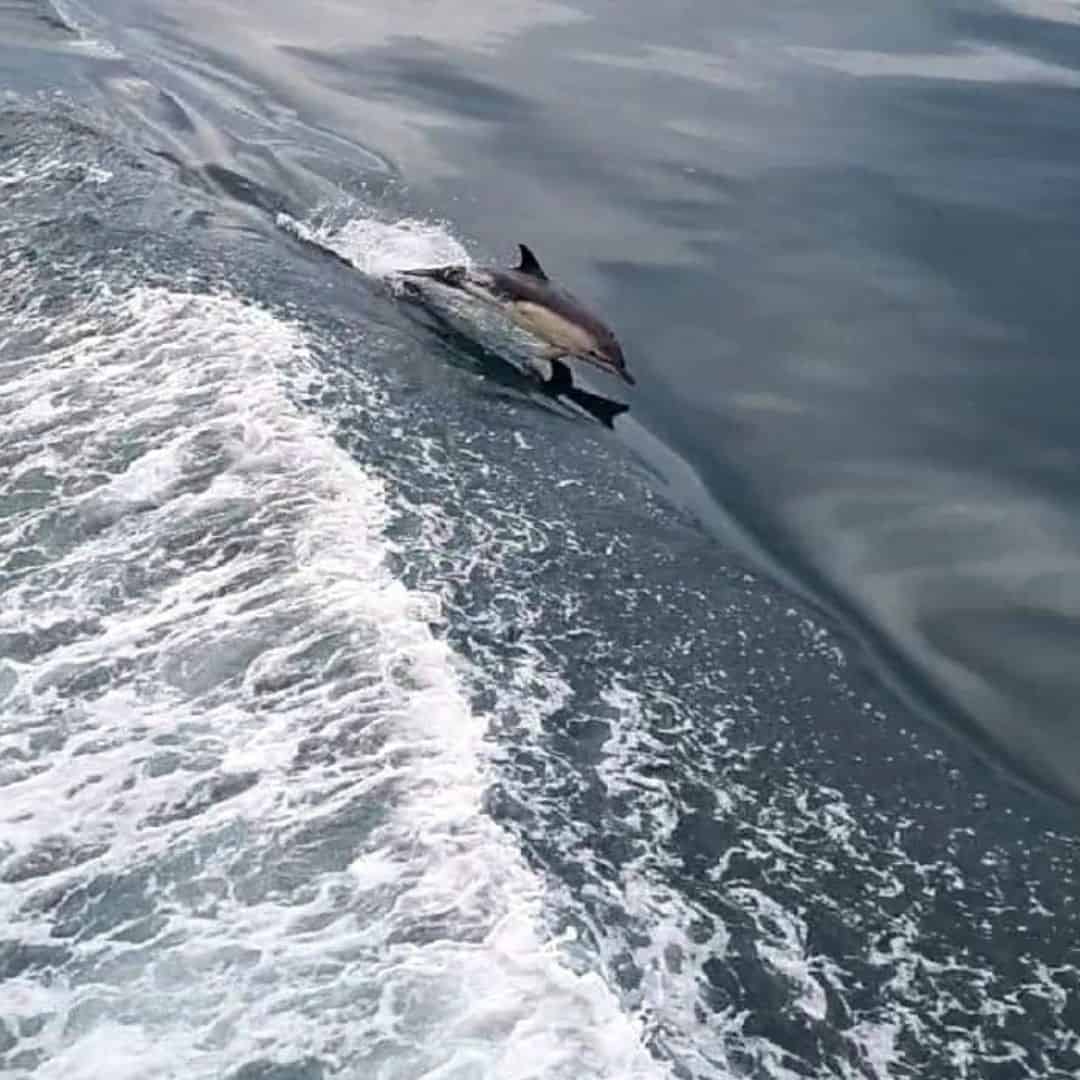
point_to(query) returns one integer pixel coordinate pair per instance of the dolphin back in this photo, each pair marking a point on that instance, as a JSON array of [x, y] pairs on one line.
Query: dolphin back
[[518, 288]]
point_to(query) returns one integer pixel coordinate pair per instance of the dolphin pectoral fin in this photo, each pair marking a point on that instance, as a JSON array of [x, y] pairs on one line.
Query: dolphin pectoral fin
[[560, 381], [560, 384]]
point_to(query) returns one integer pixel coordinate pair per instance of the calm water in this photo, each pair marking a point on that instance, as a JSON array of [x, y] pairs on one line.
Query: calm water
[[364, 713]]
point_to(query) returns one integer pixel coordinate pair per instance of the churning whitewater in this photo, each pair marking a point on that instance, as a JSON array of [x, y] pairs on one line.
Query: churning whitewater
[[243, 770]]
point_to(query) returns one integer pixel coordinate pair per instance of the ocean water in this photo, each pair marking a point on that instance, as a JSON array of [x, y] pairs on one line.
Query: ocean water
[[366, 712]]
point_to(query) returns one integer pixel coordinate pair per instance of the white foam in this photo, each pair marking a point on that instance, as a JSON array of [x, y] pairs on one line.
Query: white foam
[[781, 944], [380, 248], [671, 951], [251, 749]]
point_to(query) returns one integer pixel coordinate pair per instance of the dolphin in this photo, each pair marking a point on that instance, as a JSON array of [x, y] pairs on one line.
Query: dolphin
[[526, 294]]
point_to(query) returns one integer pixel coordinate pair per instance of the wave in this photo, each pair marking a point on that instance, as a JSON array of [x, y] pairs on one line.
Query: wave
[[242, 786]]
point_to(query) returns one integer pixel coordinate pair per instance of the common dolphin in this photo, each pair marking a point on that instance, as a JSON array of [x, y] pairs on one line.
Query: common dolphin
[[557, 382], [533, 302]]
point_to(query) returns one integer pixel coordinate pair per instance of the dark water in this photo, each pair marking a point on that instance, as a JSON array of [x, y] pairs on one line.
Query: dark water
[[364, 713]]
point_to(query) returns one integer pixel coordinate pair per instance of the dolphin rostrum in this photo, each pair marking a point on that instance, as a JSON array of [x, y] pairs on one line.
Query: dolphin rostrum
[[548, 312]]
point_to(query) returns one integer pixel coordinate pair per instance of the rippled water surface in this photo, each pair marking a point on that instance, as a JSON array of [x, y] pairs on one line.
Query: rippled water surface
[[367, 712]]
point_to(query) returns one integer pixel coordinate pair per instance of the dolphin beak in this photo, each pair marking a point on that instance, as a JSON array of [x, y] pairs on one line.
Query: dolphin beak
[[613, 366]]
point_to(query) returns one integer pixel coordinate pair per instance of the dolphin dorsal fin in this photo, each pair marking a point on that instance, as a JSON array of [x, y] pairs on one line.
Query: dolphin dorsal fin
[[530, 264]]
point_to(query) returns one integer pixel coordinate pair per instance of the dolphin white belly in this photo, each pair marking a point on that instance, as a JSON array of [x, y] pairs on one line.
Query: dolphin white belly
[[551, 327]]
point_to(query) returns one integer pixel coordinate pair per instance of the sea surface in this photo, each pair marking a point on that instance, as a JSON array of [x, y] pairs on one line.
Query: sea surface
[[366, 712]]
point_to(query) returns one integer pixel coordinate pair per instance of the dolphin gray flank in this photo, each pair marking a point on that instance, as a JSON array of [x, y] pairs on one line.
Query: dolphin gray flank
[[525, 293]]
